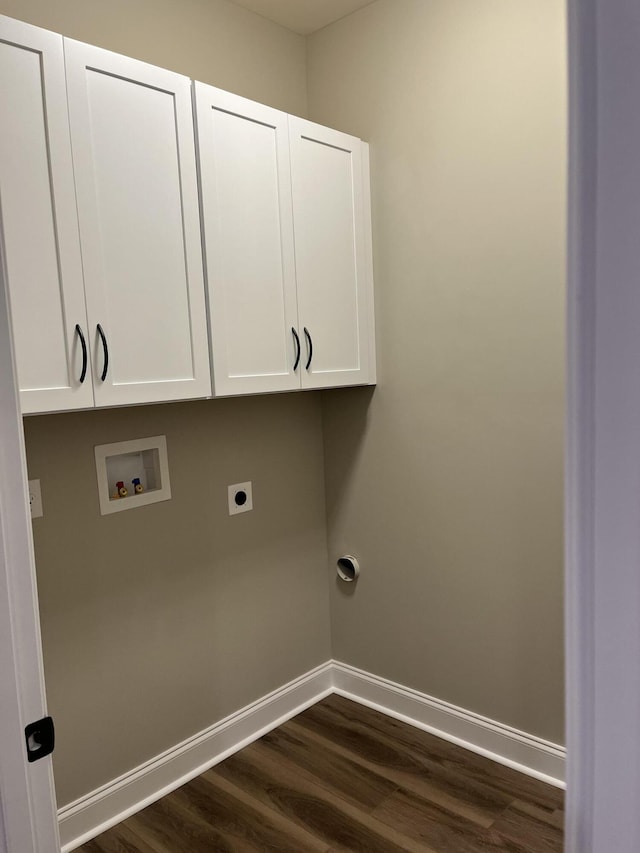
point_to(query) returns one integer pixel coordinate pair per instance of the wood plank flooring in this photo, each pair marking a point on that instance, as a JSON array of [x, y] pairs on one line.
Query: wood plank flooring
[[342, 777]]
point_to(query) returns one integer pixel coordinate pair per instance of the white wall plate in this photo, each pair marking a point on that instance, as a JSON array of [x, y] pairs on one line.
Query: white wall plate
[[127, 462], [240, 498], [35, 499]]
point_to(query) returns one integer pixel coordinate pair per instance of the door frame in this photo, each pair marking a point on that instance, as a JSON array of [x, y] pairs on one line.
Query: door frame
[[28, 817], [579, 431], [602, 522]]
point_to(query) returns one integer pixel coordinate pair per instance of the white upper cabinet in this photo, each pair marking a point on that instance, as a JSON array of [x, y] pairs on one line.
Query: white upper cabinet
[[102, 245], [243, 150], [288, 257], [39, 224], [134, 159], [332, 252]]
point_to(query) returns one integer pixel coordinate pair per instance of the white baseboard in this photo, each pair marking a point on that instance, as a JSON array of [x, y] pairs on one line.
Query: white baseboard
[[103, 808], [106, 806], [522, 751]]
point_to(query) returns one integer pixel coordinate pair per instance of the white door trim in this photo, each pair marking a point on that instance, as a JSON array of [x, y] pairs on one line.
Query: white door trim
[[26, 790], [603, 431], [580, 434]]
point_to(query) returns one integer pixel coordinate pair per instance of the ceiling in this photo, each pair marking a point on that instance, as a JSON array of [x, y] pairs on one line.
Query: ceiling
[[303, 16]]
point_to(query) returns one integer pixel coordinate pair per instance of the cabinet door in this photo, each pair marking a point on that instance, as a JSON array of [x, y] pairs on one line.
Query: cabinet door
[[243, 150], [134, 159], [39, 238], [331, 255]]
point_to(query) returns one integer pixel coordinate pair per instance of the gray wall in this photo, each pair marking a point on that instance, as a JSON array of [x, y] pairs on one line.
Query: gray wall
[[214, 41], [159, 621], [447, 481]]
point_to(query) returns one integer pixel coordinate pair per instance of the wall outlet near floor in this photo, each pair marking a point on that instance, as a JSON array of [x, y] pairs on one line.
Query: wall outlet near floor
[[240, 498], [35, 499]]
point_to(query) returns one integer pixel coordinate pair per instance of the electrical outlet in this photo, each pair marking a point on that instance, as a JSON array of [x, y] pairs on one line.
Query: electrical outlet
[[240, 498], [35, 499]]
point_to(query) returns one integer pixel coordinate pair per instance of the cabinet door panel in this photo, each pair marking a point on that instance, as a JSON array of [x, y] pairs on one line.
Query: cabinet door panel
[[246, 201], [330, 251], [132, 135], [39, 222]]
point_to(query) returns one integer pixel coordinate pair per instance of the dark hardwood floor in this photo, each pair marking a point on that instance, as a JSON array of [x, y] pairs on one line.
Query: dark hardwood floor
[[343, 777]]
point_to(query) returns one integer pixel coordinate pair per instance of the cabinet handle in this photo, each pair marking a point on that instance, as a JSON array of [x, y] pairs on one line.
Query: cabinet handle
[[309, 347], [83, 344], [105, 349], [297, 340]]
